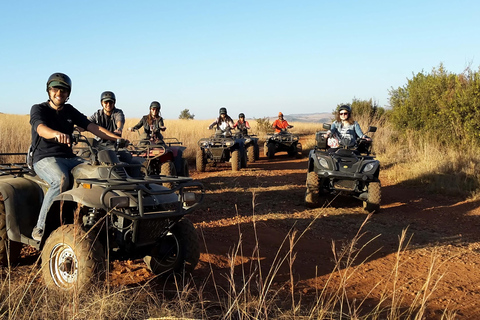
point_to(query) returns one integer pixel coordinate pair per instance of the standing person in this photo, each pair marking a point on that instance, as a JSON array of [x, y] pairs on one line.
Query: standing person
[[152, 124], [345, 131], [52, 126], [109, 117], [281, 124], [223, 122], [242, 124]]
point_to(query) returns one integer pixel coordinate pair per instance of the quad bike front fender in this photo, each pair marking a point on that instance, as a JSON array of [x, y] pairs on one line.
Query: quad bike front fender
[[22, 199], [92, 198]]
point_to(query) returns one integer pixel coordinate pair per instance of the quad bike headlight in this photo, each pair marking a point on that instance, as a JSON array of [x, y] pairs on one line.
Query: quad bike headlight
[[323, 162], [368, 167], [229, 143], [247, 140]]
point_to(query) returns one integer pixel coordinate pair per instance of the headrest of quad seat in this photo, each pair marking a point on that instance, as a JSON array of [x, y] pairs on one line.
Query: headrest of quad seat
[[108, 157], [346, 153]]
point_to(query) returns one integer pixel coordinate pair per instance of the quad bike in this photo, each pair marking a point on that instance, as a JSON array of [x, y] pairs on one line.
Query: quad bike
[[106, 213], [164, 157], [222, 147], [251, 145], [351, 171], [282, 141]]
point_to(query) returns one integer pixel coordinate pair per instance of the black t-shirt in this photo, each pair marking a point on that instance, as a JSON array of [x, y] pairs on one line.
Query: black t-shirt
[[61, 120]]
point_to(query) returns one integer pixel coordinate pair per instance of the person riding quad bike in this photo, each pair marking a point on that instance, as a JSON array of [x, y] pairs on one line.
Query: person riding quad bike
[[222, 146], [342, 162], [282, 140], [251, 141]]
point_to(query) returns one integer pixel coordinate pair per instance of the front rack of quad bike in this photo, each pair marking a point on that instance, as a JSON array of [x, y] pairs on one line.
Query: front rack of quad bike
[[282, 137], [186, 188], [216, 141]]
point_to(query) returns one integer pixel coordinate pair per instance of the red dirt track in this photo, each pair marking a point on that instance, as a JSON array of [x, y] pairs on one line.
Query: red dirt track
[[264, 202]]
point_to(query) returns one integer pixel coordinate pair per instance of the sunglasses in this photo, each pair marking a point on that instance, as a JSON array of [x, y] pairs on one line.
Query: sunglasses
[[343, 113]]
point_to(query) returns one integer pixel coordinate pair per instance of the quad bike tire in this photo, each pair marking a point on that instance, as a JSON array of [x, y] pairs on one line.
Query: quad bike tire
[[299, 154], [168, 169], [72, 259], [265, 150], [312, 194], [235, 160], [200, 160], [293, 151], [243, 159], [374, 197], [9, 250], [257, 152], [177, 252], [185, 170], [251, 153], [270, 150]]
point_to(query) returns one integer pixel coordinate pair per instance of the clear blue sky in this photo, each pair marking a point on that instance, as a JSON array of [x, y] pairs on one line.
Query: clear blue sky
[[257, 57]]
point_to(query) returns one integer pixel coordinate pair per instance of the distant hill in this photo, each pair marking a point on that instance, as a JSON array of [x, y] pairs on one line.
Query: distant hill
[[307, 117]]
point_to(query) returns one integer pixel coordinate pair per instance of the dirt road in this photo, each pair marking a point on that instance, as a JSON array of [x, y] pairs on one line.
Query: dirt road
[[248, 215], [442, 238]]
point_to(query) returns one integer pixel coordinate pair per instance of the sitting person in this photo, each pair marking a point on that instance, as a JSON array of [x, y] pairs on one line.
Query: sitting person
[[345, 131], [280, 124], [52, 124], [152, 124], [109, 117], [223, 122], [242, 125]]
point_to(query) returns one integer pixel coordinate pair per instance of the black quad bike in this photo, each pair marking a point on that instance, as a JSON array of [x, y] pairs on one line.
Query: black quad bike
[[221, 147], [282, 141], [107, 213], [351, 171], [251, 145]]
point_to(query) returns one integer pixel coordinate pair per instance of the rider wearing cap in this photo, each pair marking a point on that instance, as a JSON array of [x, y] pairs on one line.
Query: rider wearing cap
[[52, 127], [109, 117], [281, 124], [223, 122]]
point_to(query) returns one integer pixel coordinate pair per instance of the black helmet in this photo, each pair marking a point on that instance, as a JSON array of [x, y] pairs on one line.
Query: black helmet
[[155, 105], [241, 115], [108, 96], [345, 107], [223, 110], [59, 80]]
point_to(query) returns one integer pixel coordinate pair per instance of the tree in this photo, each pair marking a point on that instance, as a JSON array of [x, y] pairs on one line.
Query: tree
[[186, 115]]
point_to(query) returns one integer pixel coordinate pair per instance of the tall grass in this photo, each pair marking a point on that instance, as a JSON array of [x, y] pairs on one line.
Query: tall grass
[[411, 159], [252, 291]]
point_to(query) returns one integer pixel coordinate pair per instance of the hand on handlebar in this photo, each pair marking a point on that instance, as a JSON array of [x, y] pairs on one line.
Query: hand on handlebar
[[63, 138]]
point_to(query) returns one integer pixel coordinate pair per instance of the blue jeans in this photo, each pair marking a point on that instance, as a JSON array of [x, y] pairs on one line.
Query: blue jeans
[[56, 172]]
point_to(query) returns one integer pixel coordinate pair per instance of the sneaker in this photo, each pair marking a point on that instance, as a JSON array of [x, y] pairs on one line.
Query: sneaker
[[37, 234]]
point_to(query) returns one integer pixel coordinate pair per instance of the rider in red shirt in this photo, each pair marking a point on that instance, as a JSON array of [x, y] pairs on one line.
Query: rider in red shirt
[[281, 124]]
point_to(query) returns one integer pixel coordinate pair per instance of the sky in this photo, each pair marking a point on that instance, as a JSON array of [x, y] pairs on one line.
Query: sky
[[252, 56]]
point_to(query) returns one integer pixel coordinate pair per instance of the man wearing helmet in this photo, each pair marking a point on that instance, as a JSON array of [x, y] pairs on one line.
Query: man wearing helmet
[[281, 124], [242, 124], [345, 130], [52, 126], [152, 124], [109, 117], [223, 122]]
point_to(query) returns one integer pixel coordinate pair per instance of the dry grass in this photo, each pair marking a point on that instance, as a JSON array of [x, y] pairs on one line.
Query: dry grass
[[412, 160], [255, 296], [251, 293]]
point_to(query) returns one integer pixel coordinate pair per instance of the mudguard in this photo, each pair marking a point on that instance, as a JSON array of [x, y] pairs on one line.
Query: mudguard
[[92, 197], [22, 199]]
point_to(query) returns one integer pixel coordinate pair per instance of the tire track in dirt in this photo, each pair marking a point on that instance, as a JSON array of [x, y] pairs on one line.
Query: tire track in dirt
[[435, 225]]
